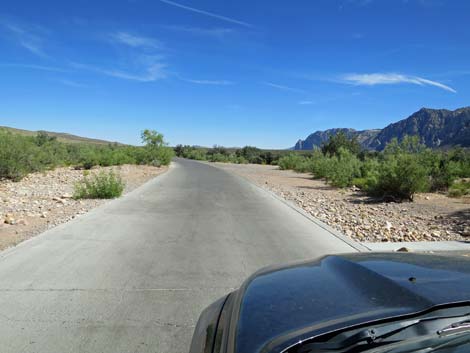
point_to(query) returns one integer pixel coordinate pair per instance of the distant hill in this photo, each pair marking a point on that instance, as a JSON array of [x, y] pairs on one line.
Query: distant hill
[[435, 127], [61, 136]]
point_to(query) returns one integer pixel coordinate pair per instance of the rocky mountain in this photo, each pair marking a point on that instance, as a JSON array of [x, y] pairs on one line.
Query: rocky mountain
[[316, 139], [435, 127]]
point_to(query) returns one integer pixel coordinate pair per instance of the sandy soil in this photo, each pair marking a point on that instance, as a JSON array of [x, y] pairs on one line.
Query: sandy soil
[[431, 217], [43, 200]]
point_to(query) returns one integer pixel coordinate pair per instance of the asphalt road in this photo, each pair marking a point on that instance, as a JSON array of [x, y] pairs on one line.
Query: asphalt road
[[134, 274]]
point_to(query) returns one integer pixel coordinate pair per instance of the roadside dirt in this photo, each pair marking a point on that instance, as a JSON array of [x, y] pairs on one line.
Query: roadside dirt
[[44, 200], [431, 217]]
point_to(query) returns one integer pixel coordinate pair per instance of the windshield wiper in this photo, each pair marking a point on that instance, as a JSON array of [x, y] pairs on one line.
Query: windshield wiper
[[455, 328], [384, 335]]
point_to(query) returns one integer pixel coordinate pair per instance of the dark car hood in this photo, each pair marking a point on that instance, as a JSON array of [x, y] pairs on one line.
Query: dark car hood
[[280, 306]]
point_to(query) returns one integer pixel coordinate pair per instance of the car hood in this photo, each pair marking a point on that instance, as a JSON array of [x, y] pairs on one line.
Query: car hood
[[278, 307]]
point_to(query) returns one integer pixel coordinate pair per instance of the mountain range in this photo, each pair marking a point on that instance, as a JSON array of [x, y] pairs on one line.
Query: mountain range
[[435, 128]]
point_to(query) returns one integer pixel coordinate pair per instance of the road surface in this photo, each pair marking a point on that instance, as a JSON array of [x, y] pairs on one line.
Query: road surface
[[133, 275]]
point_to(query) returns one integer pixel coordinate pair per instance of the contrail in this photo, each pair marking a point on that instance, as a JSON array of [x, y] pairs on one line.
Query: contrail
[[210, 14]]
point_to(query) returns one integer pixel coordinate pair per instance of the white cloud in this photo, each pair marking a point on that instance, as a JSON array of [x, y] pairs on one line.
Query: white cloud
[[282, 87], [206, 13], [135, 41], [391, 79]]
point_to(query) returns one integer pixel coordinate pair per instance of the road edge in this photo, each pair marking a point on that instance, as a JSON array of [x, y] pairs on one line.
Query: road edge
[[6, 252], [354, 244]]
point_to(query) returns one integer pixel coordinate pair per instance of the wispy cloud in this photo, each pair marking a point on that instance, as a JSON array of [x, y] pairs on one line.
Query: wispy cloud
[[209, 82], [135, 41], [142, 60], [34, 67], [207, 13], [152, 73], [149, 73], [207, 32], [71, 83], [282, 87], [29, 37], [391, 79]]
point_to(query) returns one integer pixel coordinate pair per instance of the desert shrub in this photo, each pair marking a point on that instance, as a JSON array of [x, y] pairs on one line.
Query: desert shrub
[[303, 166], [88, 157], [99, 186], [251, 154], [400, 177], [291, 161], [155, 149], [369, 171], [320, 165], [239, 160], [344, 168], [196, 154], [460, 188], [18, 156], [219, 157], [340, 141], [361, 183]]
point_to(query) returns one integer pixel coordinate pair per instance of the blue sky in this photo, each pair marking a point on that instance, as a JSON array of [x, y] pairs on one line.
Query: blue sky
[[232, 73]]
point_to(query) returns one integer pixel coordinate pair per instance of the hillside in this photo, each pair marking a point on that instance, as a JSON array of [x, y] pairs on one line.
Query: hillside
[[435, 127], [61, 136]]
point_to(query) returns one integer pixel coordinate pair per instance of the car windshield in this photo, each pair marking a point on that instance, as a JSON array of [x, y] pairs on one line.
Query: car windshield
[[428, 333]]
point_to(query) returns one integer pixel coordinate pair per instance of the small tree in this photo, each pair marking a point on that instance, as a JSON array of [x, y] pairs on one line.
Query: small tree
[[152, 138], [157, 152], [338, 141]]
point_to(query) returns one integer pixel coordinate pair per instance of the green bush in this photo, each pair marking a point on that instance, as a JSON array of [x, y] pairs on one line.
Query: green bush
[[340, 141], [99, 186], [400, 177], [196, 154], [320, 166], [19, 155], [156, 150], [219, 157], [344, 168], [460, 188], [291, 161]]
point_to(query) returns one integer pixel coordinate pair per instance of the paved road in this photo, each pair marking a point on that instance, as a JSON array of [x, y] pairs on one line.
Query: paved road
[[134, 274]]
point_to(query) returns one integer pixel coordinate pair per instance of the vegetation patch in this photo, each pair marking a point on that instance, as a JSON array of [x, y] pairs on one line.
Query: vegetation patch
[[99, 186], [21, 155], [401, 170], [460, 188]]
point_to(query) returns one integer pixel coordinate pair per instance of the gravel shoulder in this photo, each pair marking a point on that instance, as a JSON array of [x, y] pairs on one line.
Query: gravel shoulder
[[44, 200], [431, 217]]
